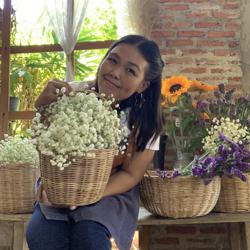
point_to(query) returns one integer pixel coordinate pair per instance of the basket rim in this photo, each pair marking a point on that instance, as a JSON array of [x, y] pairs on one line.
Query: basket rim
[[151, 174], [17, 165]]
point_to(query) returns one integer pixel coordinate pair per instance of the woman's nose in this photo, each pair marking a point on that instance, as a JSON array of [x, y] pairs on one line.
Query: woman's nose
[[116, 72]]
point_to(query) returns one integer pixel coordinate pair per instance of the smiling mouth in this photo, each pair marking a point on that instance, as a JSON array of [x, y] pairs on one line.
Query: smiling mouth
[[110, 83]]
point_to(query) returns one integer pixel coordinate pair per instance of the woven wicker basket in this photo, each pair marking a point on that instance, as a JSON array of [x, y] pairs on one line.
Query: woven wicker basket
[[81, 183], [235, 195], [184, 196], [17, 194]]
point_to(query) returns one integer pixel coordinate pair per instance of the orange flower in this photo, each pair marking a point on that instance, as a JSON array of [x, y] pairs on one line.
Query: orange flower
[[174, 87], [205, 116], [202, 86]]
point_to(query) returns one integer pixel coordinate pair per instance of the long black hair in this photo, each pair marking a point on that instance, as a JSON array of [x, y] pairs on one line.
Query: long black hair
[[146, 119]]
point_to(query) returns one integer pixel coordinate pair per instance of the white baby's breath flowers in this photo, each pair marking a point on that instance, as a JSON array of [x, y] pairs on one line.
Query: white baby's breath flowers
[[232, 129], [75, 126], [14, 149]]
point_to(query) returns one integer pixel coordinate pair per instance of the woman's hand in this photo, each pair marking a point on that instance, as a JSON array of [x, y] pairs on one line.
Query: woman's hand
[[49, 94]]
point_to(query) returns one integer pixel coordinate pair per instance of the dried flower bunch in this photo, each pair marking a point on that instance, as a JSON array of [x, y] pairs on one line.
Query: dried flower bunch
[[15, 149], [76, 125], [232, 129]]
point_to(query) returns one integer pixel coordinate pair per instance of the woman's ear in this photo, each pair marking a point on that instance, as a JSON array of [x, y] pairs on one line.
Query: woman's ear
[[144, 85]]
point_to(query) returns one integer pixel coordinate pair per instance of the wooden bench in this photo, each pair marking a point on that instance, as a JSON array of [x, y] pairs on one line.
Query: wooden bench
[[12, 228], [239, 237], [12, 231]]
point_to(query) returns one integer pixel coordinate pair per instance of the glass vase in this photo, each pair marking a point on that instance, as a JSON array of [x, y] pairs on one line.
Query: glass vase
[[182, 160]]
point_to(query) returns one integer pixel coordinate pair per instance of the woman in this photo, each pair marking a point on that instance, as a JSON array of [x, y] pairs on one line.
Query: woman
[[131, 71]]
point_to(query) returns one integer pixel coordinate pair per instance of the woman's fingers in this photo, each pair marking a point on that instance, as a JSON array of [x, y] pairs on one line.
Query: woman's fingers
[[49, 93], [45, 199]]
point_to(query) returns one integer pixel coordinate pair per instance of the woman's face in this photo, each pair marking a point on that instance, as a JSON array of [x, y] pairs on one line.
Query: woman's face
[[122, 72]]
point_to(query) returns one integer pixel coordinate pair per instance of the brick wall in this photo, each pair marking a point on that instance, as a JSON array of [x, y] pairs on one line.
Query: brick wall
[[200, 39], [188, 237]]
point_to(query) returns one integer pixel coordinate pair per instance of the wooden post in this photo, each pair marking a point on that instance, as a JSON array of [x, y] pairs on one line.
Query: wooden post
[[144, 237], [4, 93]]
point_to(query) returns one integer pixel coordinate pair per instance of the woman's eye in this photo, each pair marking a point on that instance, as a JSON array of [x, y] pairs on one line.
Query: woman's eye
[[131, 71], [112, 60]]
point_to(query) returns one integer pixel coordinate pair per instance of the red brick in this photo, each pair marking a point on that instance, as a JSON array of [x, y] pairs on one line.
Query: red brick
[[202, 248], [181, 230], [163, 33], [203, 241], [178, 25], [207, 24], [209, 43], [236, 78], [231, 6], [206, 61], [233, 26], [217, 70], [221, 52], [179, 42], [170, 1], [197, 15], [192, 51], [213, 230], [185, 60], [190, 33], [168, 51], [177, 7], [168, 240], [225, 14], [195, 1], [220, 34], [225, 52], [194, 70], [233, 44]]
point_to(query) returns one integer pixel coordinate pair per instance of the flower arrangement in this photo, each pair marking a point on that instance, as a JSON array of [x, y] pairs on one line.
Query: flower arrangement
[[15, 149], [185, 125], [225, 144], [76, 125]]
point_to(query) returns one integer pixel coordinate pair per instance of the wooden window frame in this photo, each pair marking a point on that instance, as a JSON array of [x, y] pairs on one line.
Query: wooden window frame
[[6, 50]]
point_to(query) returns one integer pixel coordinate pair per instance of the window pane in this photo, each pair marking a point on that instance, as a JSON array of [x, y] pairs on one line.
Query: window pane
[[19, 127], [30, 72], [87, 62], [31, 26]]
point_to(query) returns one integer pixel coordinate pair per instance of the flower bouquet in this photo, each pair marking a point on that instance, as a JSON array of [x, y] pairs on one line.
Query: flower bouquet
[[19, 162], [180, 193], [227, 144], [185, 124], [77, 138]]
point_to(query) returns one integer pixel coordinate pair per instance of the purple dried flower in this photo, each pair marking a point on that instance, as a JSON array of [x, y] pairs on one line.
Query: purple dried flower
[[201, 105], [239, 174], [221, 88]]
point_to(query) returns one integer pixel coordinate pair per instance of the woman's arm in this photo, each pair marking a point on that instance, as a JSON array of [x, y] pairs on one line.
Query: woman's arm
[[131, 174]]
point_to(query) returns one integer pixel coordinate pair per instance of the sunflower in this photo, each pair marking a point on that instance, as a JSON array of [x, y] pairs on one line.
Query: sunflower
[[202, 86], [174, 87]]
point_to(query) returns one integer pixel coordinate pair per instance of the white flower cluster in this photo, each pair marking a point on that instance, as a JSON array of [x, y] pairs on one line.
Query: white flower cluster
[[232, 129], [75, 125], [14, 149]]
